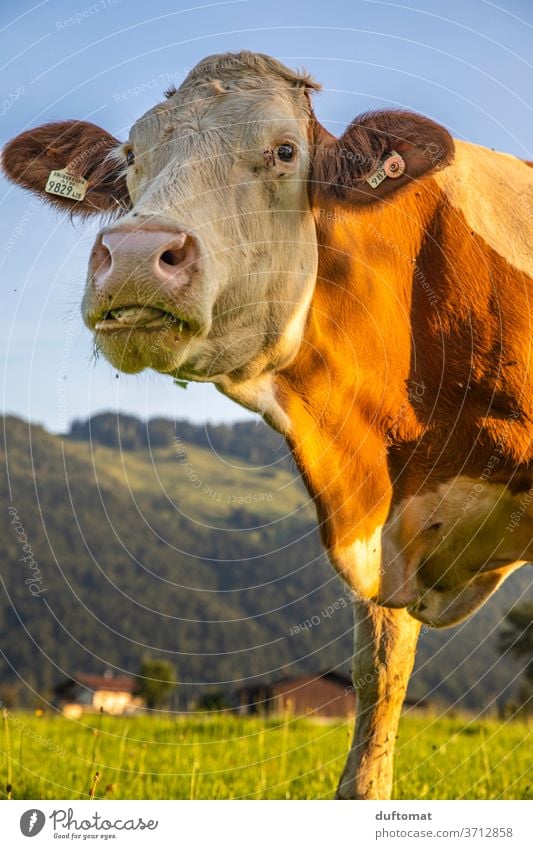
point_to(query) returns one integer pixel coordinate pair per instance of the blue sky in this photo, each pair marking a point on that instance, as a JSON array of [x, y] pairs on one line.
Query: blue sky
[[466, 64]]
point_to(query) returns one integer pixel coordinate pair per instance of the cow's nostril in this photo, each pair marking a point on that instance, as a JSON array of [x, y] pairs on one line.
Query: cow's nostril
[[174, 256], [101, 261]]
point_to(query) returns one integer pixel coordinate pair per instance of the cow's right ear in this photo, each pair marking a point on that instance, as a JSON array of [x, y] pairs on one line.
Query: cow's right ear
[[85, 151]]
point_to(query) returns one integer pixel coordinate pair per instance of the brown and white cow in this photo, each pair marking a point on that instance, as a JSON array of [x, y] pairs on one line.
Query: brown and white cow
[[383, 327]]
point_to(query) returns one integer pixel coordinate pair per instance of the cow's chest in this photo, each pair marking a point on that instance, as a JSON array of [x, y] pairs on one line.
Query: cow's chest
[[449, 534]]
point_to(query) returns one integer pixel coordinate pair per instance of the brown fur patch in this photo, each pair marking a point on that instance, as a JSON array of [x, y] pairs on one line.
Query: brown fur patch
[[414, 367]]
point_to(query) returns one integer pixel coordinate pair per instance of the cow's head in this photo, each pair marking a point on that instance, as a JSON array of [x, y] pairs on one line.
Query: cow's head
[[209, 264]]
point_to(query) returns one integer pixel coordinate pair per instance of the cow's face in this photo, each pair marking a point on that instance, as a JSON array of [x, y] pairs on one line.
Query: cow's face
[[210, 267], [212, 270]]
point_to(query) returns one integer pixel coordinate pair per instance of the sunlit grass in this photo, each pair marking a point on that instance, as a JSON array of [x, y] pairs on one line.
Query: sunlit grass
[[210, 486], [226, 757]]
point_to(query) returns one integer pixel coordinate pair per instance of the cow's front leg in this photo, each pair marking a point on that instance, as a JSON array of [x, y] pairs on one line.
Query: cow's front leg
[[385, 647]]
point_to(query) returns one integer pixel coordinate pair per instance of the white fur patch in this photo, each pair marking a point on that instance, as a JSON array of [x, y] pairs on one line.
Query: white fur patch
[[258, 395], [439, 547], [494, 191], [360, 564], [441, 554]]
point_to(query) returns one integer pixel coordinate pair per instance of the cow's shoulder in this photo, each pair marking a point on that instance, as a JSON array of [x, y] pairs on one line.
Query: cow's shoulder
[[493, 192]]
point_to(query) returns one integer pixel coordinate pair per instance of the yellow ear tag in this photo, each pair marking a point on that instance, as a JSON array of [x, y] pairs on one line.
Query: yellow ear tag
[[376, 177], [393, 166], [66, 185]]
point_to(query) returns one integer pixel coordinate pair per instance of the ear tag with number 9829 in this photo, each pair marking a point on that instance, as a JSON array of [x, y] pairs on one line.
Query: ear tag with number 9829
[[66, 185]]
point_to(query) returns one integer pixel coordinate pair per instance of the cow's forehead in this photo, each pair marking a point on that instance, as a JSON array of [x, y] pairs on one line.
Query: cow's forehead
[[247, 69], [229, 92]]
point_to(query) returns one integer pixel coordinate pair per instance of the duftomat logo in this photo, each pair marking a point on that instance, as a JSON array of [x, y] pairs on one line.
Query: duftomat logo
[[32, 822]]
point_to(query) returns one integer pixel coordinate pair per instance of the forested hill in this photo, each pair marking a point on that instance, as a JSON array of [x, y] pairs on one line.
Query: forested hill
[[197, 544], [252, 441]]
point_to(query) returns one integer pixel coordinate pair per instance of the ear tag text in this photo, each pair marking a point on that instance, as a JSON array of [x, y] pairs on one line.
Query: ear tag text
[[66, 185]]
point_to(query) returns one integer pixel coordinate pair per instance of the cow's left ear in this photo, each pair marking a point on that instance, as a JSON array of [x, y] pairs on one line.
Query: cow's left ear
[[379, 153]]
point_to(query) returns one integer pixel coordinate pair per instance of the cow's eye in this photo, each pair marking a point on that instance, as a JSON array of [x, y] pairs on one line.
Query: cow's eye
[[130, 157], [286, 152]]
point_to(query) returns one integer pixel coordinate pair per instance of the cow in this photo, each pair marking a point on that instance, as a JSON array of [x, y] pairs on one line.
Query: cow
[[369, 295]]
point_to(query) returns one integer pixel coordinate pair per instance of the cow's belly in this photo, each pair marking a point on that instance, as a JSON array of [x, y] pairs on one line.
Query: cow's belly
[[445, 551]]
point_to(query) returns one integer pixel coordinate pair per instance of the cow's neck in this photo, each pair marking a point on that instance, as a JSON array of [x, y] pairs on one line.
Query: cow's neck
[[345, 392]]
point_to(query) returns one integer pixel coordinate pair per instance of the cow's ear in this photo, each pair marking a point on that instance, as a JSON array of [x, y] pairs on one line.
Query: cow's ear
[[361, 167], [82, 150]]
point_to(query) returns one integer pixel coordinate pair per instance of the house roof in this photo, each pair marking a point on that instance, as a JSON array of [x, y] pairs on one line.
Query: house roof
[[299, 681], [111, 683]]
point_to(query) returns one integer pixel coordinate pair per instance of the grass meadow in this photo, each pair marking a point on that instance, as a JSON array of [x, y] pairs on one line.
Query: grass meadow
[[227, 757]]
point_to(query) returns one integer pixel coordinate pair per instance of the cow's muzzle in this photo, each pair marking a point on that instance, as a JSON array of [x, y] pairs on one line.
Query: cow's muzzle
[[140, 278]]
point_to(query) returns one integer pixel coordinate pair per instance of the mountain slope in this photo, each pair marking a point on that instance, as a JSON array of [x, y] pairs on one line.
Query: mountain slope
[[175, 549]]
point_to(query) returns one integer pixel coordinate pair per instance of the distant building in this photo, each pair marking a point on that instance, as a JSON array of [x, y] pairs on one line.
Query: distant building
[[326, 695], [86, 693], [419, 705]]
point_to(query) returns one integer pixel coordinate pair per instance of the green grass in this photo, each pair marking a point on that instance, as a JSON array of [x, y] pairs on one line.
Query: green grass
[[210, 757]]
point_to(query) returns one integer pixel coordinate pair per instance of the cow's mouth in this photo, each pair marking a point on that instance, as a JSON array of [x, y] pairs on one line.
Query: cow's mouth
[[137, 317]]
